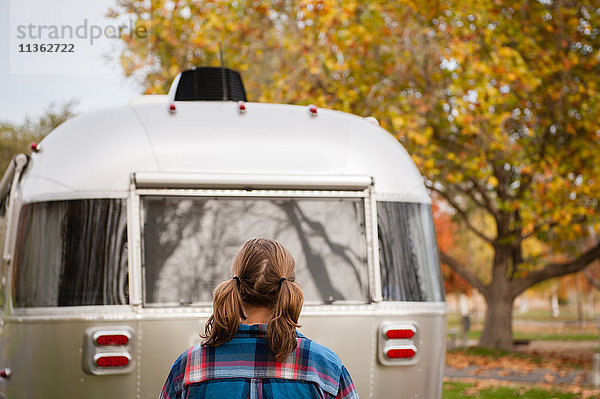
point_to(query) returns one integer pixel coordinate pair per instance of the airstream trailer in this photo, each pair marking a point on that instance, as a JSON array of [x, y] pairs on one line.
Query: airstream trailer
[[121, 222]]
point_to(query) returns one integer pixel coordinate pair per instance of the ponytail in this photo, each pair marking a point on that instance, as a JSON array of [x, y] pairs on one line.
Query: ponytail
[[281, 330], [222, 325], [264, 276]]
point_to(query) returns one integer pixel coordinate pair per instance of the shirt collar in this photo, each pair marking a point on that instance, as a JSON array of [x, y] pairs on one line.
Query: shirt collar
[[256, 331], [251, 331]]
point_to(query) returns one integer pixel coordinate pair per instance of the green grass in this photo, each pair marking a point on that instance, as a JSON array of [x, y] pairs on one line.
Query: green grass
[[498, 353], [456, 390], [566, 315], [534, 336], [555, 337], [495, 353]]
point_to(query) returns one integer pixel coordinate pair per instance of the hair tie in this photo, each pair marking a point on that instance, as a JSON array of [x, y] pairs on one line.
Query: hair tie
[[282, 280], [237, 279]]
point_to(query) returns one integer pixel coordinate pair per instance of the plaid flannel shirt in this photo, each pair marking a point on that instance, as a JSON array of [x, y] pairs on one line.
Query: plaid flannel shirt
[[245, 367]]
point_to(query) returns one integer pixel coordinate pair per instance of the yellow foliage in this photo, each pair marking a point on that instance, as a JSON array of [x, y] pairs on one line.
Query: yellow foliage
[[504, 119]]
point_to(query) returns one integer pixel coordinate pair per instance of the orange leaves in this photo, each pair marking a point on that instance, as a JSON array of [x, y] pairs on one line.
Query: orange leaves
[[463, 359], [468, 119], [516, 88]]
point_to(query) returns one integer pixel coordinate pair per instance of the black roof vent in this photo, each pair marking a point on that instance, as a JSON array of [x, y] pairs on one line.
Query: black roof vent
[[210, 84]]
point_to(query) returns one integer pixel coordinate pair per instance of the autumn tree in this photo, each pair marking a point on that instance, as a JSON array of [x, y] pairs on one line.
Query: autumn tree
[[498, 103], [353, 56], [516, 135]]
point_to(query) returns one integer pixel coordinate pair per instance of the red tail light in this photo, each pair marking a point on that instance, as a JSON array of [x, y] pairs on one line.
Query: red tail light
[[400, 333], [398, 341], [112, 340], [112, 361], [401, 353]]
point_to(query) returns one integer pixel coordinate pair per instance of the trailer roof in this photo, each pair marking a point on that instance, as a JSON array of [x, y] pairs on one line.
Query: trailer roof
[[95, 154]]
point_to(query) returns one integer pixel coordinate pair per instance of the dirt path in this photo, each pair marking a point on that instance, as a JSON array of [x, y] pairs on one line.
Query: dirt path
[[540, 362], [534, 376]]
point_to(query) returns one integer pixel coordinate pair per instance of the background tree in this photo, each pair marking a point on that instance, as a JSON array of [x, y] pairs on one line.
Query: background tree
[[516, 136], [498, 103], [16, 138], [354, 55]]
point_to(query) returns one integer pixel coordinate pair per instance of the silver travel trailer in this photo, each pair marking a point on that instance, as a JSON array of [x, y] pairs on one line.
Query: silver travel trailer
[[121, 222]]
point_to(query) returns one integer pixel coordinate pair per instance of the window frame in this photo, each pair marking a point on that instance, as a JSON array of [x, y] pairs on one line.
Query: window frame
[[373, 284], [10, 261], [62, 312]]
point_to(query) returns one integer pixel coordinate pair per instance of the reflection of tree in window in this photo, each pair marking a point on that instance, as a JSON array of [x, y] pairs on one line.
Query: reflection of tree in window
[[195, 245], [204, 253], [314, 261], [159, 243], [190, 243]]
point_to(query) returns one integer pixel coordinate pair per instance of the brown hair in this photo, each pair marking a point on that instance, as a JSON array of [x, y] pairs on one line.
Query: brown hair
[[263, 275]]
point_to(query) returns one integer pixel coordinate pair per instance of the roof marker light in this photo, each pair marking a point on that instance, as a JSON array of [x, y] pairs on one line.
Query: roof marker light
[[241, 107], [172, 108], [373, 120], [312, 109], [35, 147]]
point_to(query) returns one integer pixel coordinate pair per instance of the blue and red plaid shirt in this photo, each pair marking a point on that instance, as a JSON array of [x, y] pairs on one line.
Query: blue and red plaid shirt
[[245, 367]]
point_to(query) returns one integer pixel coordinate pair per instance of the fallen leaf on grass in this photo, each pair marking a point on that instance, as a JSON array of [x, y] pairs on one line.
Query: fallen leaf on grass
[[563, 373], [580, 378]]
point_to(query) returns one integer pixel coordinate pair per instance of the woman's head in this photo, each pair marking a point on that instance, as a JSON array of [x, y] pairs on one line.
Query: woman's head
[[263, 275]]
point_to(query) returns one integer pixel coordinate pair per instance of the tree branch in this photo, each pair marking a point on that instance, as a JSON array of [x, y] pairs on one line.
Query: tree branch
[[488, 201], [593, 282], [473, 194], [501, 175], [367, 109], [490, 204], [464, 272], [464, 215], [556, 270]]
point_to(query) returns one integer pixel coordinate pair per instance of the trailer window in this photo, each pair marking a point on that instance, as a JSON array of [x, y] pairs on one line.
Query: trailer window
[[408, 257], [189, 244], [71, 253]]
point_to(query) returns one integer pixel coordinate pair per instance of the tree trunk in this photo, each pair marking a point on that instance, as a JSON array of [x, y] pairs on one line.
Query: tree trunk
[[497, 332], [580, 317], [503, 288], [499, 297]]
